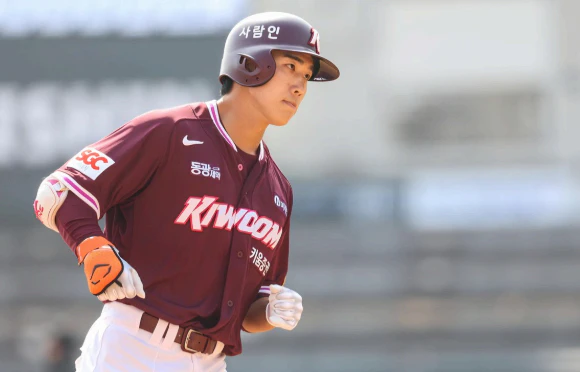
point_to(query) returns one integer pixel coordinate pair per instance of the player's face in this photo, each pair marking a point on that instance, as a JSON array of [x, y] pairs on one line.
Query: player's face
[[279, 98]]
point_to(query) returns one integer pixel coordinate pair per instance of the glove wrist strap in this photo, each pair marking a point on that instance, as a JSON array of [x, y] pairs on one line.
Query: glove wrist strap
[[90, 244]]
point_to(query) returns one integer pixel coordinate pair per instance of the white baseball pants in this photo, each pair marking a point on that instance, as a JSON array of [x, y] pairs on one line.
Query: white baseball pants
[[115, 343]]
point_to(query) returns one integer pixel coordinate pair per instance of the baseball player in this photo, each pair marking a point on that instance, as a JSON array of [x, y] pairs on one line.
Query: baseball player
[[195, 247]]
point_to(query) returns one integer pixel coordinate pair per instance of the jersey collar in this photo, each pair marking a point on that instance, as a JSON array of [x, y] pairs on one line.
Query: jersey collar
[[215, 117]]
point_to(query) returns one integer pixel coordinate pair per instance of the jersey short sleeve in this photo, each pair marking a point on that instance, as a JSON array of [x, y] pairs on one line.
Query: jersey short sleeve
[[116, 167]]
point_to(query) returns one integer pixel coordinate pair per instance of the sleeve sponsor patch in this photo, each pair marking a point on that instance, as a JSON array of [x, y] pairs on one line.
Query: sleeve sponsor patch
[[90, 162]]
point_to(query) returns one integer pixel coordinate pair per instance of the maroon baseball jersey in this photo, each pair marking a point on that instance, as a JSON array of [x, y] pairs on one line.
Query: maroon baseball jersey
[[206, 234]]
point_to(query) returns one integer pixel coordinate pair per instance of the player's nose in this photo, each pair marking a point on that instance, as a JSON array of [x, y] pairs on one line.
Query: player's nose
[[299, 87]]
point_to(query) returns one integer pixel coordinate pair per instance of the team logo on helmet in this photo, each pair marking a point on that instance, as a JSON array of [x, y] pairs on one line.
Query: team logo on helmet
[[314, 39]]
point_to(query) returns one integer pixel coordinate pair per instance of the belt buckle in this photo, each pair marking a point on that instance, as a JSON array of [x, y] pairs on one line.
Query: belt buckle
[[185, 343]]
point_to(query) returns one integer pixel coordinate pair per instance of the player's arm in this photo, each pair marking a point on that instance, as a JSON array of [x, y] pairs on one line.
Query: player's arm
[[255, 320], [97, 175], [109, 277], [281, 309], [277, 306]]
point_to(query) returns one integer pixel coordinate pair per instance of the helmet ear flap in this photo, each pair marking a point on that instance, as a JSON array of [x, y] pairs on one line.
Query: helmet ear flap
[[253, 73], [251, 68], [248, 66]]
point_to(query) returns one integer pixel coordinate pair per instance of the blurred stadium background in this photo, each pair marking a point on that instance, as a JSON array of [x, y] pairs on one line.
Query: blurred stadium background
[[437, 182]]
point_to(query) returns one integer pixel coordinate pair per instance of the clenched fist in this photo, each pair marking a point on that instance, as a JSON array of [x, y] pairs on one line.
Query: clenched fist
[[284, 308], [109, 277]]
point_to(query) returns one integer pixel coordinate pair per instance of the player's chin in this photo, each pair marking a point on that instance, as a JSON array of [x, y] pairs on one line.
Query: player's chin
[[281, 122], [282, 119]]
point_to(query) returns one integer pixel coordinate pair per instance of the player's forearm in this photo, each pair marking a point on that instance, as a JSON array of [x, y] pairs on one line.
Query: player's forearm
[[76, 221], [255, 320]]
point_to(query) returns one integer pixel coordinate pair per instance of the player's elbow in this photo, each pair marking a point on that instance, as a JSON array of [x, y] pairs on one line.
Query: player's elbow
[[49, 198]]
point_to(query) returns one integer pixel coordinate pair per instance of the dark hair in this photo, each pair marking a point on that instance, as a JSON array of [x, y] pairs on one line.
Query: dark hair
[[227, 84]]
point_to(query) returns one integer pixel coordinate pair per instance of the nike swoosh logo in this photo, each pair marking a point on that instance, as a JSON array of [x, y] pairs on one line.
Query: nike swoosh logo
[[187, 142]]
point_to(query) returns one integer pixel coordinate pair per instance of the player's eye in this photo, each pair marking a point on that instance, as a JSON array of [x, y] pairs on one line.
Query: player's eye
[[291, 66], [307, 76]]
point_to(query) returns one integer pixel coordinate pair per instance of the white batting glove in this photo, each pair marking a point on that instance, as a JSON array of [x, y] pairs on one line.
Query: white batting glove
[[284, 308], [128, 285]]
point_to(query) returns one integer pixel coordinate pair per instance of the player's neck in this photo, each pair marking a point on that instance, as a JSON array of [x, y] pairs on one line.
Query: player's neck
[[242, 124]]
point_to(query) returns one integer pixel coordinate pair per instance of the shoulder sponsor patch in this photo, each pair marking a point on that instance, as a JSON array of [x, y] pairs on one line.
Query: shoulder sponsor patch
[[90, 162]]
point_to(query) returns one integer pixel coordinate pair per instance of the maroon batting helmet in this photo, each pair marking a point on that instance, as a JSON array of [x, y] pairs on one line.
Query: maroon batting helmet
[[256, 36]]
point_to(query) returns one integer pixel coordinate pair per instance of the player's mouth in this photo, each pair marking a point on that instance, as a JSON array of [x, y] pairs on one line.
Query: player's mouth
[[290, 104]]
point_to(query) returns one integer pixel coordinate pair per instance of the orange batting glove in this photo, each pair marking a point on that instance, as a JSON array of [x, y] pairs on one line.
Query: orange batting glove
[[109, 276], [103, 266]]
